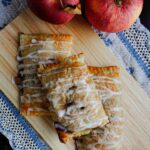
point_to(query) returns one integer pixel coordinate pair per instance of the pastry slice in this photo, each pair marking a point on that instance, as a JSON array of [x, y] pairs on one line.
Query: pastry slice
[[108, 137], [34, 50], [74, 103]]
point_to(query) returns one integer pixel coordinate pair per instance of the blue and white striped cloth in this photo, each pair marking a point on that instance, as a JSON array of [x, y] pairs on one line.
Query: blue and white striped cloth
[[132, 47], [14, 126]]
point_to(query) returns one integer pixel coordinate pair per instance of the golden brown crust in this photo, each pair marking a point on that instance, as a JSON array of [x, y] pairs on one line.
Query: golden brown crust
[[74, 100], [63, 133], [72, 61], [108, 137], [27, 38], [25, 111], [110, 71], [62, 44], [64, 137], [34, 49]]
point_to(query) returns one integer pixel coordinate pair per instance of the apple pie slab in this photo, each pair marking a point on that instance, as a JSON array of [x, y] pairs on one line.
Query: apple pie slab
[[74, 102], [38, 49], [110, 136]]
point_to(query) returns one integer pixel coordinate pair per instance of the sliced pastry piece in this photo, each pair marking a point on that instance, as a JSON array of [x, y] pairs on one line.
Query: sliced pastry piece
[[34, 50], [110, 136], [74, 103]]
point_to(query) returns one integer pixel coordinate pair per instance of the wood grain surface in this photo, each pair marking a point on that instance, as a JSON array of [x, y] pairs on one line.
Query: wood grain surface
[[134, 100]]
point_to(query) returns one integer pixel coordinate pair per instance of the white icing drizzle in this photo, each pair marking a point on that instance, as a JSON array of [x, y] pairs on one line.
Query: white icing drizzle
[[25, 98], [61, 113], [108, 79], [30, 97], [21, 66], [68, 82], [91, 106], [13, 80], [92, 124], [88, 90], [30, 72], [52, 72], [113, 134], [37, 109], [114, 126], [29, 80], [111, 144], [33, 41], [37, 57], [37, 95], [116, 119], [32, 87], [34, 55], [107, 93], [56, 71], [112, 129], [30, 109], [52, 51], [38, 43], [116, 109]]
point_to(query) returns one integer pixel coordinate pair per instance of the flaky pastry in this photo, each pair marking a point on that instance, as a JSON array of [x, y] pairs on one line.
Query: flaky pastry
[[110, 136], [38, 49], [74, 102]]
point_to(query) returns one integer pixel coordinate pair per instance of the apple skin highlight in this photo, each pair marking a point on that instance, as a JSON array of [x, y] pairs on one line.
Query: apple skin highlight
[[52, 10], [108, 16]]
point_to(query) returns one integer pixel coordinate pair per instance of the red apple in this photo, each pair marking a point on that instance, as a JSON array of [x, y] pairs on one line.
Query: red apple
[[52, 11], [112, 15]]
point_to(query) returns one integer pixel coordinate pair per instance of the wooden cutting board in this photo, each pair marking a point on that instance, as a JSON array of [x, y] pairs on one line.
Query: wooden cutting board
[[134, 100]]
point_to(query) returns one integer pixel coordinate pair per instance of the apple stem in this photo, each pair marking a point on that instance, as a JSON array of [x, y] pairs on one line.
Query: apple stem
[[61, 2], [118, 2], [73, 9]]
